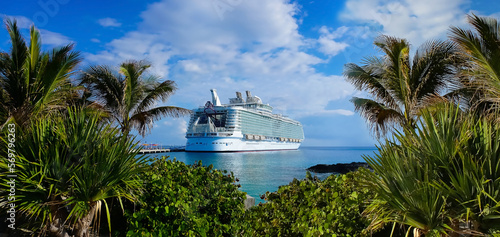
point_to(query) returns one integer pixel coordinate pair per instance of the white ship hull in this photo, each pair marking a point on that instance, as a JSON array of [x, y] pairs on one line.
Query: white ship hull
[[241, 126], [217, 144]]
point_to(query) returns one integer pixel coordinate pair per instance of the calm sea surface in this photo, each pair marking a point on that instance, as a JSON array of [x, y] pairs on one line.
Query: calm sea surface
[[259, 172]]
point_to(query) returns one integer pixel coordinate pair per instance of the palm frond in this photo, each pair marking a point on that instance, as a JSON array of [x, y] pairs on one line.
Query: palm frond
[[396, 52], [401, 88], [380, 117], [482, 48], [369, 77], [34, 82], [106, 86], [157, 92], [134, 85], [131, 94], [54, 87], [433, 68], [143, 121], [34, 54], [15, 80]]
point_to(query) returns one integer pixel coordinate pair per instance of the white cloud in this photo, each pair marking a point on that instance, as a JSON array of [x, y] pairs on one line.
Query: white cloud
[[191, 66], [327, 42], [22, 21], [109, 22], [343, 112], [95, 40], [177, 125], [48, 37], [495, 15], [54, 39], [416, 21], [255, 46]]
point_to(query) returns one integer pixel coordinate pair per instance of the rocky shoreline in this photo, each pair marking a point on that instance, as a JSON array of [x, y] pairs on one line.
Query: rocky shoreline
[[340, 168]]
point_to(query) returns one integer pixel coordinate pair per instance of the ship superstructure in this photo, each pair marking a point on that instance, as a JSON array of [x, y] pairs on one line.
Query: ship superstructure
[[241, 125]]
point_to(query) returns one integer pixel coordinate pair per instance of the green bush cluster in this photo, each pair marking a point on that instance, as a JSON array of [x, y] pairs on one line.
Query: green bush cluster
[[312, 207], [187, 200], [441, 178], [68, 168]]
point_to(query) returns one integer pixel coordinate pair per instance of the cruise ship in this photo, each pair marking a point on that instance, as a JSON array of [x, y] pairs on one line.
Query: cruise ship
[[241, 125]]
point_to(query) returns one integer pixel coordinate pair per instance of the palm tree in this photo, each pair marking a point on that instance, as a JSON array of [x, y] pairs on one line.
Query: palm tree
[[400, 87], [69, 166], [481, 72], [32, 82], [130, 95], [440, 174]]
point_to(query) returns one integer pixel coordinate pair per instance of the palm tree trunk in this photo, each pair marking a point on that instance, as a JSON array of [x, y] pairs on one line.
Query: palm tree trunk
[[83, 225], [455, 225], [56, 227]]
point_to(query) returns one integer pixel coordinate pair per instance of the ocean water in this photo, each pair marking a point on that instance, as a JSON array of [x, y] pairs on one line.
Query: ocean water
[[259, 172]]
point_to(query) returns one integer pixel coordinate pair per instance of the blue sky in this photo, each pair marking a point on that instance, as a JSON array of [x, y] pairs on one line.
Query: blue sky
[[289, 53]]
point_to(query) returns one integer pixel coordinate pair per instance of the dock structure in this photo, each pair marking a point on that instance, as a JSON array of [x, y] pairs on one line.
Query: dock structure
[[147, 151]]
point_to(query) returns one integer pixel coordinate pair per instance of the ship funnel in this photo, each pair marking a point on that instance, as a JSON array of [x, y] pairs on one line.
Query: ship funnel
[[215, 98], [253, 99], [237, 100]]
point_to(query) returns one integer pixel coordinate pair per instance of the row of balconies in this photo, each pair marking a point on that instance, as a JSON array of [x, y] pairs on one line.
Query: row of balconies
[[209, 134], [262, 137]]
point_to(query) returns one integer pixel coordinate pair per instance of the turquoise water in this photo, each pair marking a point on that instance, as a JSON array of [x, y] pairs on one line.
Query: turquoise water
[[259, 172]]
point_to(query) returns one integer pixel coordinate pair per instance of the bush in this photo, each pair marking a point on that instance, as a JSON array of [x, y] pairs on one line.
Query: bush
[[441, 178], [312, 207], [67, 168], [187, 200]]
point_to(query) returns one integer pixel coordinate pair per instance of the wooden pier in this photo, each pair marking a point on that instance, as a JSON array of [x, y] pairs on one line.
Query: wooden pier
[[162, 150], [148, 151]]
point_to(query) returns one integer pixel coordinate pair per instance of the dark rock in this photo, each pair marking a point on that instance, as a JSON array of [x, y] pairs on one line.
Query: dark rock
[[340, 168]]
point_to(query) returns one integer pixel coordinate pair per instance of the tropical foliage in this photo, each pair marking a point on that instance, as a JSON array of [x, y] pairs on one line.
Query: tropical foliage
[[440, 178], [480, 73], [187, 200], [130, 95], [68, 167], [439, 173], [34, 83], [70, 162], [400, 87], [312, 207]]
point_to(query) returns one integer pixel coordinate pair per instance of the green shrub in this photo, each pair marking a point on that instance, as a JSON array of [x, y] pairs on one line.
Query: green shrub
[[67, 168], [187, 200], [442, 178], [312, 207]]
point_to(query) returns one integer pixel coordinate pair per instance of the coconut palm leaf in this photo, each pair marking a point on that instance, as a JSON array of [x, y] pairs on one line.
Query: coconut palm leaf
[[34, 83], [369, 78], [481, 48], [102, 79], [378, 115], [142, 121], [434, 68], [131, 94], [401, 87], [12, 66], [157, 92]]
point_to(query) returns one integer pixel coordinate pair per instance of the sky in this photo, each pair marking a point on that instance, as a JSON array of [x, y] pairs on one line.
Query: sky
[[289, 53]]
